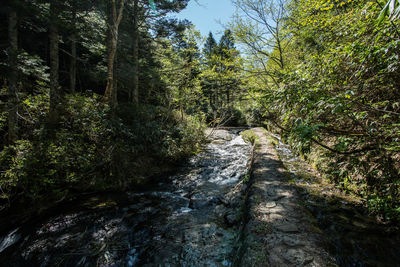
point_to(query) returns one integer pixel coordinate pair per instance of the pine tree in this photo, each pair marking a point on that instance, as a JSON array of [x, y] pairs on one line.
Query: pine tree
[[209, 46]]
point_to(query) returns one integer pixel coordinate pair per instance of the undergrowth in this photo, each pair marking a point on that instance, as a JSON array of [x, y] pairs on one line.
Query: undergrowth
[[92, 148]]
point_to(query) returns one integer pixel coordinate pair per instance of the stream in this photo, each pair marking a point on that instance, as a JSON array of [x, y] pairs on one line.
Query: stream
[[189, 219]]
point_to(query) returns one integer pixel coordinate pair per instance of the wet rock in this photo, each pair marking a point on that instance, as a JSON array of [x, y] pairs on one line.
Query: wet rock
[[291, 241], [199, 201], [235, 201], [218, 142], [220, 135], [10, 239], [231, 219], [207, 171], [270, 204], [220, 211], [275, 217], [288, 228], [297, 257], [277, 198], [224, 201]]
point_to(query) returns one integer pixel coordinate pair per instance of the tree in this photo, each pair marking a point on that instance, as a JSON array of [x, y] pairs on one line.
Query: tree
[[55, 46], [187, 95], [134, 95], [13, 76], [209, 46], [339, 94], [115, 18], [221, 73], [73, 40], [143, 23], [226, 42], [228, 64], [55, 92], [258, 25]]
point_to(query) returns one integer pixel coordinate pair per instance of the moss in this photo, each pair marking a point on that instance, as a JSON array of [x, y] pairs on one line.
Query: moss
[[250, 136]]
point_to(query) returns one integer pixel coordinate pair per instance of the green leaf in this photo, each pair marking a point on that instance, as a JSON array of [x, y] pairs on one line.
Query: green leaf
[[389, 10], [384, 12]]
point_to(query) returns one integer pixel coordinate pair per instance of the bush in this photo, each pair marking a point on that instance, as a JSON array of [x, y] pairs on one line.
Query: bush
[[94, 148]]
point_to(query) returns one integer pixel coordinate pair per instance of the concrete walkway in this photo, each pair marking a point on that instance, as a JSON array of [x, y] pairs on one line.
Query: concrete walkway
[[279, 231]]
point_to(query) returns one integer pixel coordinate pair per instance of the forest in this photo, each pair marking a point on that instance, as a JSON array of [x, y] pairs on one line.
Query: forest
[[107, 95]]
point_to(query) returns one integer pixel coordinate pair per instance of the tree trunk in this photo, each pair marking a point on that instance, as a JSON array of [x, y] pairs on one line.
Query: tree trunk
[[135, 82], [72, 66], [55, 95], [13, 76], [110, 94], [115, 85]]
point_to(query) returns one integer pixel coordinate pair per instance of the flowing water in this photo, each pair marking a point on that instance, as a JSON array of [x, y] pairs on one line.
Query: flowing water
[[356, 239], [190, 219]]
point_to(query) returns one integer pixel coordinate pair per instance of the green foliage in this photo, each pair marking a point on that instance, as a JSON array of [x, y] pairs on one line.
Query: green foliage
[[391, 9], [94, 149], [84, 144], [221, 80], [249, 136], [232, 116], [254, 115], [338, 89], [204, 83], [384, 205], [209, 46]]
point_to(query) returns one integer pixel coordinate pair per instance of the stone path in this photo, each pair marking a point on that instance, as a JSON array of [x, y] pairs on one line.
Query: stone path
[[279, 231]]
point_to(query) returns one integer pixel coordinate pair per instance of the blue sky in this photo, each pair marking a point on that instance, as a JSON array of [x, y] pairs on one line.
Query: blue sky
[[206, 15]]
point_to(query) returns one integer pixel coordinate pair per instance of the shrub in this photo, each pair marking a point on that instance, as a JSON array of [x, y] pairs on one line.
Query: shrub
[[95, 148]]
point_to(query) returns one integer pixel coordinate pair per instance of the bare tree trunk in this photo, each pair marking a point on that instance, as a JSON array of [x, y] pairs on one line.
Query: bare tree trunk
[[13, 76], [72, 66], [110, 94], [110, 69], [55, 95], [115, 91], [135, 82]]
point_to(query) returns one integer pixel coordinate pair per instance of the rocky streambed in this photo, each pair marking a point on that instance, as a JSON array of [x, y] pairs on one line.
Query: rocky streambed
[[190, 219]]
